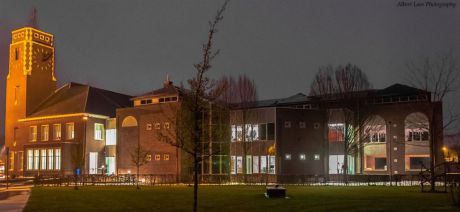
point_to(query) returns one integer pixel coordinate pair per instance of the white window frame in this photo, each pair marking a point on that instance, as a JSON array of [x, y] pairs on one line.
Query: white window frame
[[99, 132]]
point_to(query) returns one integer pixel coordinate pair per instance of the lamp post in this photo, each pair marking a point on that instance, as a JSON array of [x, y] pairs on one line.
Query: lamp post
[[7, 165]]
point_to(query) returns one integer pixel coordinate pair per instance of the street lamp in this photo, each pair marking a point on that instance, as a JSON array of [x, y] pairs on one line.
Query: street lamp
[[7, 165]]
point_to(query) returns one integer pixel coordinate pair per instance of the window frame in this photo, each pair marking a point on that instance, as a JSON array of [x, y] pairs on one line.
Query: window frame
[[45, 136], [70, 135], [101, 131]]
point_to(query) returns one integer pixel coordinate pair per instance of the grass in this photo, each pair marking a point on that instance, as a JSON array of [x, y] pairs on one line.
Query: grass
[[237, 198]]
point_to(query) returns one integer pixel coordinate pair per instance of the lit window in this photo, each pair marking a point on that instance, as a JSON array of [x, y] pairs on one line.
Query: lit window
[[148, 127], [239, 164], [255, 164], [287, 156], [45, 132], [272, 164], [30, 159], [157, 126], [263, 164], [33, 133], [11, 160], [287, 124], [111, 137], [166, 125], [50, 159], [56, 131], [148, 157], [302, 157], [70, 131], [316, 157], [157, 157], [99, 131], [57, 159], [43, 159], [302, 124], [36, 158], [233, 133], [239, 133], [16, 95], [255, 132], [146, 101], [166, 157]]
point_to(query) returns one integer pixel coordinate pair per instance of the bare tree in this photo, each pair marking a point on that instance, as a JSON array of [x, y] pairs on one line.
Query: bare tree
[[343, 90], [241, 94], [189, 123], [139, 157], [440, 77]]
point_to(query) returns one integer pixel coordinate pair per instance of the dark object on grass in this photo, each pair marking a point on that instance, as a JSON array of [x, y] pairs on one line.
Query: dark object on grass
[[276, 192]]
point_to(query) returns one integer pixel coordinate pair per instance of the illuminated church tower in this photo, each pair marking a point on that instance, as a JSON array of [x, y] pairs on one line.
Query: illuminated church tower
[[30, 78]]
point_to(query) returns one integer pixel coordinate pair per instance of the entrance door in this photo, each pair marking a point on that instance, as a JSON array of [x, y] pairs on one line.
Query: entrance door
[[93, 163]]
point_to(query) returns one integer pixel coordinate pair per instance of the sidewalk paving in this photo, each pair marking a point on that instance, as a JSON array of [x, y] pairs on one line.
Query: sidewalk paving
[[15, 203]]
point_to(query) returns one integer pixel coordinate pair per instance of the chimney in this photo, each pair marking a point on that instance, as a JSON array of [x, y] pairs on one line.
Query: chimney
[[167, 83]]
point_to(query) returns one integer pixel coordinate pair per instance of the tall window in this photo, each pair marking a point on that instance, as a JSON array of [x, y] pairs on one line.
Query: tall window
[[36, 158], [50, 159], [239, 165], [43, 159], [33, 133], [233, 133], [263, 164], [11, 160], [111, 137], [56, 131], [57, 160], [16, 94], [255, 164], [99, 131], [45, 132], [21, 160], [239, 133], [272, 165], [30, 159], [70, 131]]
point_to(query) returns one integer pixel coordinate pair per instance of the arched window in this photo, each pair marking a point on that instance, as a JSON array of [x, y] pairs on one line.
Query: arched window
[[375, 129], [129, 121], [417, 127]]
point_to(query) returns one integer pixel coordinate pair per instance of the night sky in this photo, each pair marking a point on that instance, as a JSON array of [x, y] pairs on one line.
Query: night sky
[[130, 46]]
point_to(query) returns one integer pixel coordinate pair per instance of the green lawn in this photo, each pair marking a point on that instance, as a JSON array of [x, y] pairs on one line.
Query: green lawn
[[236, 198]]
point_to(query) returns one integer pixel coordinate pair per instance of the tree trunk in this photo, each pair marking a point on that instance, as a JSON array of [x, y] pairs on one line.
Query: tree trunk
[[137, 183], [195, 184]]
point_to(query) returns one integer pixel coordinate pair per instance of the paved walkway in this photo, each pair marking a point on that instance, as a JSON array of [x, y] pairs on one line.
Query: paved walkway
[[15, 203]]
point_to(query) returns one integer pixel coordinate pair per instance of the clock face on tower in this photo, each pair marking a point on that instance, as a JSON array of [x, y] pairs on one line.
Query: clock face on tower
[[42, 58]]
